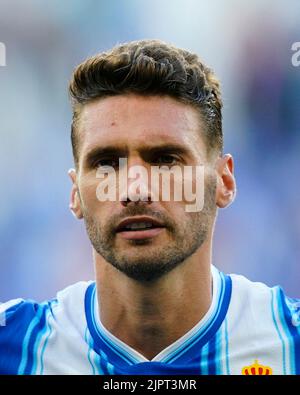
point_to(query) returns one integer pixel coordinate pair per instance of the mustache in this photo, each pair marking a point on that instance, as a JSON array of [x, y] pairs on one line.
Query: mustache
[[140, 210]]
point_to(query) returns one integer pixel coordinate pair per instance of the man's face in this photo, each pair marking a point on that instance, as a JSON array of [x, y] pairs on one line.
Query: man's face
[[148, 131]]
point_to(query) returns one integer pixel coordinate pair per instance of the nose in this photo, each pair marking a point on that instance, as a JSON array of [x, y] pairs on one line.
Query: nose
[[134, 197], [137, 189]]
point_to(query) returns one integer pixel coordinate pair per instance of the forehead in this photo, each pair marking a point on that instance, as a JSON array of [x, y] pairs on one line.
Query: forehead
[[135, 121]]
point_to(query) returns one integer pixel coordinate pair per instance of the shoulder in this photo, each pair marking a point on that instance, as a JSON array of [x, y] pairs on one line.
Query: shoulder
[[257, 292], [249, 291], [23, 321], [22, 310], [260, 303], [73, 295]]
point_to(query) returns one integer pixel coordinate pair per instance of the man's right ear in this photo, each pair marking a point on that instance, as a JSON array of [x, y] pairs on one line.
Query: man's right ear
[[75, 203]]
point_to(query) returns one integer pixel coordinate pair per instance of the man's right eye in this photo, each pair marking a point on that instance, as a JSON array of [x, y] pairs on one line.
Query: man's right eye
[[107, 162]]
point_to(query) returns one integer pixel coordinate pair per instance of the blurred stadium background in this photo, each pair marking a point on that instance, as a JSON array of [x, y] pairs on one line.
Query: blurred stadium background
[[248, 44]]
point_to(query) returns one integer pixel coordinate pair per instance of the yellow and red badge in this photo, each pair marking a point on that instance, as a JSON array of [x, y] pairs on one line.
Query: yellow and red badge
[[257, 370]]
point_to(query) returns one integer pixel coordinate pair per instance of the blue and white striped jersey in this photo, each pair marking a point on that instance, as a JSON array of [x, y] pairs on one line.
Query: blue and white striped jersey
[[247, 324]]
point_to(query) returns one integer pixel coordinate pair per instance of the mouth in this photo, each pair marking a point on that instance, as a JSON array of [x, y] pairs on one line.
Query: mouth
[[137, 228]]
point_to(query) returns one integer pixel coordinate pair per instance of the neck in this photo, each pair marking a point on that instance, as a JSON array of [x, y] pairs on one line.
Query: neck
[[151, 316]]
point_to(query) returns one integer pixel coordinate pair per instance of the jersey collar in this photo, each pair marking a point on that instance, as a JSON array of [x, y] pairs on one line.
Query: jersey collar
[[182, 350]]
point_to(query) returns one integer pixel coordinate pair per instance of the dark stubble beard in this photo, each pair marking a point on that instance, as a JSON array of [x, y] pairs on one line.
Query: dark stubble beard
[[147, 262]]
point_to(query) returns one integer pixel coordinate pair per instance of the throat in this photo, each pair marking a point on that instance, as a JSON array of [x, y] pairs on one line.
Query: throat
[[149, 340], [149, 337]]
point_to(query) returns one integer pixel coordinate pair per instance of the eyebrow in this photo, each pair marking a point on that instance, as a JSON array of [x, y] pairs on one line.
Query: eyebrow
[[112, 150], [100, 152]]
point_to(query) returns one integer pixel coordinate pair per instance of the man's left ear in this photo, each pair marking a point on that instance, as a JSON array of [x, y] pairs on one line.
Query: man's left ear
[[226, 186]]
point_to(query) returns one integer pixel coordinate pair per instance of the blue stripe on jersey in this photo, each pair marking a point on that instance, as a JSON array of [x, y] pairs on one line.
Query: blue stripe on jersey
[[44, 329], [96, 361], [50, 314], [227, 347], [219, 351], [103, 362], [10, 356], [286, 329], [212, 356], [278, 331], [106, 365], [292, 331], [89, 351], [36, 326], [215, 353], [204, 360], [20, 322]]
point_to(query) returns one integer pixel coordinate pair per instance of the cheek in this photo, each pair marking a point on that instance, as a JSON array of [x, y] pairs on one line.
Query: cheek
[[100, 211], [88, 189], [188, 192], [176, 213]]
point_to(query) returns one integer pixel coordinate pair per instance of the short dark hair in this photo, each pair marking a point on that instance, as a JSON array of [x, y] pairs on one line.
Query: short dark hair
[[149, 67]]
